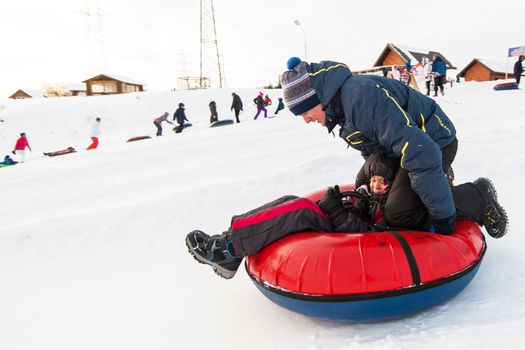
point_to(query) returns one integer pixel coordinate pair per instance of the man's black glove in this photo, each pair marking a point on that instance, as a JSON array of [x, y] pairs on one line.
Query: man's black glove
[[444, 226], [331, 202]]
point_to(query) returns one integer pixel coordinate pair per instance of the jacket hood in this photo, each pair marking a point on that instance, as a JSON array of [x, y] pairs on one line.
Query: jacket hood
[[327, 78]]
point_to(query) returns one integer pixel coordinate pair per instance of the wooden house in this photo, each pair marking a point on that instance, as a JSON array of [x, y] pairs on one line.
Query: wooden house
[[77, 89], [483, 70], [394, 54], [26, 93], [106, 84]]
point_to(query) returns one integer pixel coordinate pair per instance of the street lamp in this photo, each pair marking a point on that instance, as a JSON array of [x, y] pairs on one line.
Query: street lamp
[[297, 23]]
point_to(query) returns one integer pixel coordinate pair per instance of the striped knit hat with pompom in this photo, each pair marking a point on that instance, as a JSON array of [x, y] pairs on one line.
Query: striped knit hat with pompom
[[299, 93]]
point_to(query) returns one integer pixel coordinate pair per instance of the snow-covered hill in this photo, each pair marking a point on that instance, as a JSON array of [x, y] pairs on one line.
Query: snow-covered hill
[[92, 252]]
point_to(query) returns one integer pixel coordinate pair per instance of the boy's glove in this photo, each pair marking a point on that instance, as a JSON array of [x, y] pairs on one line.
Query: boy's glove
[[361, 209], [331, 201]]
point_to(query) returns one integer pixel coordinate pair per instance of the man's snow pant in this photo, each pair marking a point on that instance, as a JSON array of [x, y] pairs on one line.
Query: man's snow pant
[[438, 82], [159, 128], [237, 112], [471, 202], [403, 208], [94, 143], [252, 231]]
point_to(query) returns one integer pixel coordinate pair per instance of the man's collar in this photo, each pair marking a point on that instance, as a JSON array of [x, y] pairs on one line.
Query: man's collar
[[330, 123]]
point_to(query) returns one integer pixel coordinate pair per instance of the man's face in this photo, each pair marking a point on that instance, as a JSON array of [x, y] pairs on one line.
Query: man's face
[[315, 114]]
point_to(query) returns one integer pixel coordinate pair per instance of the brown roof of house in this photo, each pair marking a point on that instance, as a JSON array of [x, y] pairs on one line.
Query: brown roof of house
[[411, 53], [115, 77], [494, 67]]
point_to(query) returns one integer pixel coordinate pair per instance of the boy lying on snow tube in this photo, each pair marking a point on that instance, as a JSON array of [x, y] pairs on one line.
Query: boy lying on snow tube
[[252, 231]]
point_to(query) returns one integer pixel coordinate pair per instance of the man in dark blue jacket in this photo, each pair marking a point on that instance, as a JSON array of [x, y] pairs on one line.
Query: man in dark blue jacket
[[439, 68], [383, 116]]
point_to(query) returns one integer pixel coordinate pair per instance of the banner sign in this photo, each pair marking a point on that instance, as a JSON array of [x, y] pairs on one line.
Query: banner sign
[[517, 51]]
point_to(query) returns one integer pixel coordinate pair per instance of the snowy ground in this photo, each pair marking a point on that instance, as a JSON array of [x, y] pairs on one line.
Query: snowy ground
[[92, 252]]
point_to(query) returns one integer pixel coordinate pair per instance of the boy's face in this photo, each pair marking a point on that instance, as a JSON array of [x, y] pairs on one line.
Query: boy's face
[[378, 185]]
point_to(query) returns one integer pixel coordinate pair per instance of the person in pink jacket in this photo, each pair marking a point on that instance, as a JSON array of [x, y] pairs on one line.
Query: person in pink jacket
[[20, 147], [158, 121]]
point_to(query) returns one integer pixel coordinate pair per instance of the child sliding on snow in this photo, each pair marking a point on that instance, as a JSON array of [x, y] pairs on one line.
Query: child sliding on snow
[[252, 231]]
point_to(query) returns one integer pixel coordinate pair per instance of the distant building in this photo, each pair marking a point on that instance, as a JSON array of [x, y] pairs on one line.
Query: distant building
[[26, 93], [106, 84], [77, 89], [192, 83], [394, 54], [483, 70]]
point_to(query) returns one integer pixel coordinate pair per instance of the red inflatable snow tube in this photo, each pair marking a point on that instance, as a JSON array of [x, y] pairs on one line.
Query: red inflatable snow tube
[[328, 267]]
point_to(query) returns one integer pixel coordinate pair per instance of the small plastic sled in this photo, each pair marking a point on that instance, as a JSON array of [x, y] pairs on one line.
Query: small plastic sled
[[138, 138], [60, 153], [506, 86], [221, 123], [6, 165]]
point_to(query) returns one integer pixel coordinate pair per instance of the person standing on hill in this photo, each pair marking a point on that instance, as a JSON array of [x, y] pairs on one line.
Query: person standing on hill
[[94, 134], [158, 121], [20, 147], [428, 73], [518, 68], [236, 106], [280, 106], [213, 109], [259, 102], [180, 117], [439, 68]]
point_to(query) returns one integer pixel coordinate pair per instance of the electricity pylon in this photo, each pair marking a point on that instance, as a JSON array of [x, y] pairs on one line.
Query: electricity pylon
[[209, 43]]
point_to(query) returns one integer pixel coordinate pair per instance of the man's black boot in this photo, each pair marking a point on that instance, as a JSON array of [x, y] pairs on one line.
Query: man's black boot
[[495, 219]]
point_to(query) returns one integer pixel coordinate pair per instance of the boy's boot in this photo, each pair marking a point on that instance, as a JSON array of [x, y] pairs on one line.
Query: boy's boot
[[495, 218], [214, 251]]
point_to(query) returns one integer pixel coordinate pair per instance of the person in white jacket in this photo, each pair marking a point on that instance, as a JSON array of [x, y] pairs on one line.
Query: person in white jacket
[[427, 65], [95, 133]]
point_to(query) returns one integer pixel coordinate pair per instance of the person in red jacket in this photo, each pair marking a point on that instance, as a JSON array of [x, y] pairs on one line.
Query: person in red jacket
[[20, 147]]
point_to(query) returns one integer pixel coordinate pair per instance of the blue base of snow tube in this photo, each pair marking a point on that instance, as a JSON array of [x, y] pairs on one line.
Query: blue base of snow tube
[[376, 307], [221, 123]]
